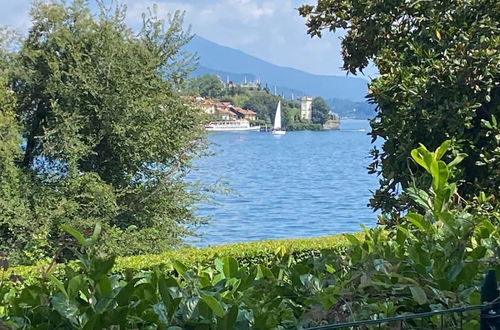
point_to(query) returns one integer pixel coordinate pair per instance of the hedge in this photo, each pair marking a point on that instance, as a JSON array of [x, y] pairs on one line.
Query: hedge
[[263, 252]]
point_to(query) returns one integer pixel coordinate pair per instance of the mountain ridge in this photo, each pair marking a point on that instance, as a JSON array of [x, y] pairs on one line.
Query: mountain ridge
[[218, 58]]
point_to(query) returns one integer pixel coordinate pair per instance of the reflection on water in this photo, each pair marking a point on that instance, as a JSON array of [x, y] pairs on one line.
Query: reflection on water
[[303, 184]]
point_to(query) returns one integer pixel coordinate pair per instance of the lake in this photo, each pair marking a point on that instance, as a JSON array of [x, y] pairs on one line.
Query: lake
[[302, 184]]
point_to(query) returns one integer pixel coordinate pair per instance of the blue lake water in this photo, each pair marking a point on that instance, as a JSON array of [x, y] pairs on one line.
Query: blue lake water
[[302, 184]]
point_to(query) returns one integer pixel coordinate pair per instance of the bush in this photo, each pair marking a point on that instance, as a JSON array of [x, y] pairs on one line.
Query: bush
[[261, 252], [433, 260]]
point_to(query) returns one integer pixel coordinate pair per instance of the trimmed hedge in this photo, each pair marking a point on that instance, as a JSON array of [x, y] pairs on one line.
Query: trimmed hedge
[[263, 252]]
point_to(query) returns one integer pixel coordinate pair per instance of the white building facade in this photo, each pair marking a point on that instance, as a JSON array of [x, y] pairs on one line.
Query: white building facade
[[306, 107]]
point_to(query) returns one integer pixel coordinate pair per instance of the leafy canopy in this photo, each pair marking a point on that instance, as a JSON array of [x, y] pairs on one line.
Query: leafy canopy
[[439, 67], [103, 134], [320, 111], [208, 85]]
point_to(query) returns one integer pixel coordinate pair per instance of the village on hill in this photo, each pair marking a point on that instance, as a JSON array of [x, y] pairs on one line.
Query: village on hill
[[225, 110], [251, 106]]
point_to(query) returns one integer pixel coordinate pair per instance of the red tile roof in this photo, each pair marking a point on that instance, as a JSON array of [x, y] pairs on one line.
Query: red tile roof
[[242, 111], [225, 111]]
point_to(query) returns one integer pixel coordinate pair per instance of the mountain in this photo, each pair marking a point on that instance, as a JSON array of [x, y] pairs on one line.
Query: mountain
[[235, 64], [286, 92], [352, 109]]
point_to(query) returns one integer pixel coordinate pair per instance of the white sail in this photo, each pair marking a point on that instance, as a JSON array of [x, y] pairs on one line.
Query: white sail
[[277, 117]]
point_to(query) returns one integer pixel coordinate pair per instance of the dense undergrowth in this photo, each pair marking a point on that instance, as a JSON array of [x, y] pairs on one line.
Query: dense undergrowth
[[262, 252], [434, 259]]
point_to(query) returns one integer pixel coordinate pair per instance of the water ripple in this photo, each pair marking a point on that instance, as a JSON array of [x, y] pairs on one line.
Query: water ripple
[[304, 184]]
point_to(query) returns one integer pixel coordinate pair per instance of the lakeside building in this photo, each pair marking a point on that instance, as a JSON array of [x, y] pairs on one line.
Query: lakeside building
[[225, 110], [306, 107], [244, 113], [207, 106]]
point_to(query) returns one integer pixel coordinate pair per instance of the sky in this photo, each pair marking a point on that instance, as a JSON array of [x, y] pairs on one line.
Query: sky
[[268, 29]]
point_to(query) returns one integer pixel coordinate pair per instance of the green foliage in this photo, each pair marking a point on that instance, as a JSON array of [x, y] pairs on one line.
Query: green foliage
[[97, 133], [208, 85], [439, 67], [221, 295], [320, 111], [300, 126], [433, 260], [262, 252], [14, 208], [264, 104]]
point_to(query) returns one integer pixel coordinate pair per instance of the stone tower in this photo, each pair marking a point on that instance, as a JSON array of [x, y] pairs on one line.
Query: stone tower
[[306, 107]]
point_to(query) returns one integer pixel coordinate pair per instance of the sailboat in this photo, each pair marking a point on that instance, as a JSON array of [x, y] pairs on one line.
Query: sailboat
[[277, 130]]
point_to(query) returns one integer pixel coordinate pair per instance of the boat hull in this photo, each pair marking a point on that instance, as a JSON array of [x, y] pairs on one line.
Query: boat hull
[[233, 129], [278, 132]]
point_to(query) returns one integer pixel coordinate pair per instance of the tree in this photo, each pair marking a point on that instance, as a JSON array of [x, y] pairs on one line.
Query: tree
[[439, 67], [208, 85], [14, 208], [320, 111], [263, 104], [106, 137]]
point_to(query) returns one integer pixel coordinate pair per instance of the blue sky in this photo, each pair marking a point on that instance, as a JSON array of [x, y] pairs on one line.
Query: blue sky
[[269, 29]]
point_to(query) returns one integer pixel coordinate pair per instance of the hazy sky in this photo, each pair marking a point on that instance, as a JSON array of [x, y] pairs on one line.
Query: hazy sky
[[269, 29]]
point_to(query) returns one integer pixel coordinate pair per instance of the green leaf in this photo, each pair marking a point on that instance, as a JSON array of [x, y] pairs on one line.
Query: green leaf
[[441, 150], [102, 266], [478, 253], [65, 307], [105, 304], [404, 231], [229, 320], [214, 305], [75, 284], [75, 233], [166, 296], [458, 159], [438, 35], [58, 284], [440, 174], [419, 295], [263, 272], [442, 200], [97, 232], [419, 196], [455, 271], [204, 310], [311, 282], [123, 297], [380, 265], [422, 156], [351, 238], [159, 309], [230, 267], [93, 322], [104, 286], [418, 220], [180, 268]]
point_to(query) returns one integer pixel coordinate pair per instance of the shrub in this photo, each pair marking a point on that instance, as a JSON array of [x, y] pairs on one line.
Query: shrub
[[261, 252], [432, 260]]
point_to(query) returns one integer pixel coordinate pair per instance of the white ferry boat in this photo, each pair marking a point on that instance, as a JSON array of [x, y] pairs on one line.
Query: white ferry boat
[[231, 125]]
